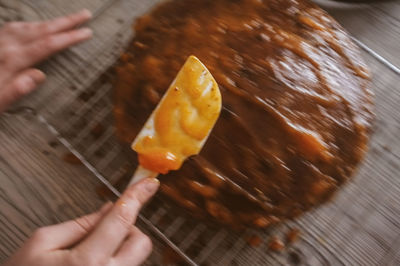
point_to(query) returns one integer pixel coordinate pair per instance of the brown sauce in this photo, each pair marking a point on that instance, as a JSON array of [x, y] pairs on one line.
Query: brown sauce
[[254, 241], [71, 159], [297, 108], [275, 244], [292, 236]]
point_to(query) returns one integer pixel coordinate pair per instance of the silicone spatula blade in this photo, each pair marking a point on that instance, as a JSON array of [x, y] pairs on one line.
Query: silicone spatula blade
[[180, 124]]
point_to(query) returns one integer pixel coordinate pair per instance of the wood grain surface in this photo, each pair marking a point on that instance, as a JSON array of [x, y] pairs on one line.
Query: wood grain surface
[[360, 227], [37, 188]]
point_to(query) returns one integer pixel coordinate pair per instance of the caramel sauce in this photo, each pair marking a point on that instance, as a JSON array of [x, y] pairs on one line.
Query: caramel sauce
[[276, 244], [292, 236], [297, 108], [182, 121], [254, 241], [71, 159], [159, 160]]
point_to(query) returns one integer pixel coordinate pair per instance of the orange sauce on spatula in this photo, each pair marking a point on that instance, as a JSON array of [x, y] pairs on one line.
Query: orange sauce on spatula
[[182, 121]]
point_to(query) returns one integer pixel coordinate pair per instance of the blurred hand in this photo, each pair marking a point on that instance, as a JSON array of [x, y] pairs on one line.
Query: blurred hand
[[107, 237], [24, 44]]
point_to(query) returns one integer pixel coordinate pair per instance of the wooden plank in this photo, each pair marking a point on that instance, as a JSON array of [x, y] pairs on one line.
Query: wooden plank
[[377, 25], [37, 187]]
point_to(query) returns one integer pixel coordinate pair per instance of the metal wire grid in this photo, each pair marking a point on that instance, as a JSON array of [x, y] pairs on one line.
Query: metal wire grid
[[359, 227]]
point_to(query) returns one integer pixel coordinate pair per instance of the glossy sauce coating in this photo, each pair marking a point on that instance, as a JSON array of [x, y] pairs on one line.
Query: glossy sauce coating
[[297, 109], [182, 120]]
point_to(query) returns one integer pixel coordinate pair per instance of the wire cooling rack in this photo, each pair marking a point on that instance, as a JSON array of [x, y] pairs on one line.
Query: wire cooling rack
[[361, 226]]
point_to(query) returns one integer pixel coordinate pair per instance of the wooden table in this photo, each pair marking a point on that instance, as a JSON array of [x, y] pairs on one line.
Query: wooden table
[[39, 187]]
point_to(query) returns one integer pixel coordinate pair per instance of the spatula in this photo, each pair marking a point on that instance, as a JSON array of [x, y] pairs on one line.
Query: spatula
[[180, 124]]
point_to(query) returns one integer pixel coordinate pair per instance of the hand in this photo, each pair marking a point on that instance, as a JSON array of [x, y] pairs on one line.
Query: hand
[[107, 237], [24, 44]]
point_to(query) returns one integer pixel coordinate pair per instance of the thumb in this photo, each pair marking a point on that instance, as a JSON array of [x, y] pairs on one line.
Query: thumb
[[20, 85]]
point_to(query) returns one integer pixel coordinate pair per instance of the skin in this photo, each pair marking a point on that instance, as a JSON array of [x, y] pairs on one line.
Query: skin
[[24, 44], [82, 241], [108, 236]]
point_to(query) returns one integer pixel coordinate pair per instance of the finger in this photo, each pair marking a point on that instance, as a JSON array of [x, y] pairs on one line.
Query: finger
[[135, 250], [22, 84], [28, 31], [66, 234], [62, 23], [43, 48], [116, 225]]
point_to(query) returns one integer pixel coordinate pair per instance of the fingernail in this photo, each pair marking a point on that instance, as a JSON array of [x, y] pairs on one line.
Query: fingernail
[[151, 185], [39, 76], [106, 207], [85, 33], [86, 12]]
